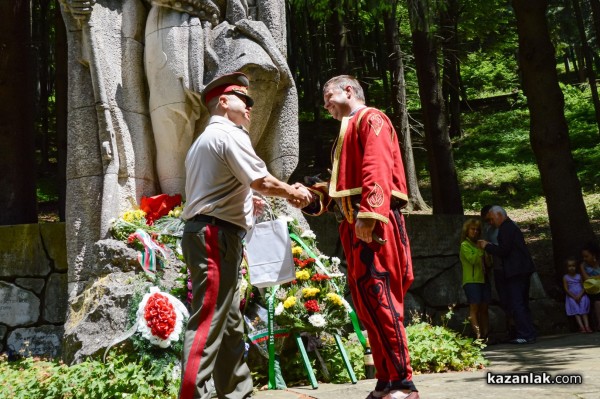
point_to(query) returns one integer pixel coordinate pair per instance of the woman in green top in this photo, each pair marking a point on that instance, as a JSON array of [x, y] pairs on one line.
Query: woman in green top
[[475, 280]]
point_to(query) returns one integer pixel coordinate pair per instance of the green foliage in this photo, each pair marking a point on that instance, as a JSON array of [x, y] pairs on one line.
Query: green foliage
[[495, 162], [436, 349], [433, 349], [119, 377], [485, 75], [46, 189]]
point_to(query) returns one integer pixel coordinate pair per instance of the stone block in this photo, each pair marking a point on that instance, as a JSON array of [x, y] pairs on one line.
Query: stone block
[[445, 290], [21, 251], [426, 269], [32, 284], [434, 234], [105, 303], [55, 303], [55, 243], [84, 144], [18, 307], [36, 341], [549, 316]]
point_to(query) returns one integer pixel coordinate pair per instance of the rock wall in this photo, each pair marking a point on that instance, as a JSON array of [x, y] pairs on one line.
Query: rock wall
[[33, 283], [33, 289]]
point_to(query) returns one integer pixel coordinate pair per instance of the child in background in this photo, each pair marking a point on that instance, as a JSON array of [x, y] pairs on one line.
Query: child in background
[[577, 302]]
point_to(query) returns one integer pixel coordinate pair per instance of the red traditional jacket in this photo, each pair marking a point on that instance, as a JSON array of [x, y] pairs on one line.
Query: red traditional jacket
[[367, 173]]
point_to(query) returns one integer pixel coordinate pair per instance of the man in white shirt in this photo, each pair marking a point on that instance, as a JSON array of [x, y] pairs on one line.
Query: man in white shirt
[[222, 169]]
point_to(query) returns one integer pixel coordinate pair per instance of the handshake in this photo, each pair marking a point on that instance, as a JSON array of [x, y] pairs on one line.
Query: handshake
[[300, 196]]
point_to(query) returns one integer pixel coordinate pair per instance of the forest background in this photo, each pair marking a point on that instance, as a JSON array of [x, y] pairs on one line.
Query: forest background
[[495, 102]]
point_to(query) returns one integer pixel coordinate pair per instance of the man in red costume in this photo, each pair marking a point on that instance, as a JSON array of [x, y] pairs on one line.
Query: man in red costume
[[368, 188]]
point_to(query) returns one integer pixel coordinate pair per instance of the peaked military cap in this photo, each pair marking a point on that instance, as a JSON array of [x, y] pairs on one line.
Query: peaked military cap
[[236, 83]]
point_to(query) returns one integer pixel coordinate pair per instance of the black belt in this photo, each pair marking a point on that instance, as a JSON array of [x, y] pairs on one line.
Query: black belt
[[218, 222]]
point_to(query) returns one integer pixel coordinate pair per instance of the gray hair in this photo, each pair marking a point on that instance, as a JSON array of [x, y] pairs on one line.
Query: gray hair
[[498, 209], [343, 81]]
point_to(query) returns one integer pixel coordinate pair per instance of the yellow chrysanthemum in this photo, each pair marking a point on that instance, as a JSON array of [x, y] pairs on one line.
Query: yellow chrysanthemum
[[310, 292], [302, 275], [176, 211], [297, 251], [335, 298], [134, 215], [289, 302]]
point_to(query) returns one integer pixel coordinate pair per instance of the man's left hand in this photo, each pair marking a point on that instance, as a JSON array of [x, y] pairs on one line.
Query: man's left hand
[[364, 229], [259, 205]]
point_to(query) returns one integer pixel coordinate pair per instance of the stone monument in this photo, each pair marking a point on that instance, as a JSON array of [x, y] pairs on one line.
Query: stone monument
[[136, 72]]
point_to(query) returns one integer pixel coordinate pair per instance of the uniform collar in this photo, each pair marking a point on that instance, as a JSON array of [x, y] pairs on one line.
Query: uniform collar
[[220, 119]]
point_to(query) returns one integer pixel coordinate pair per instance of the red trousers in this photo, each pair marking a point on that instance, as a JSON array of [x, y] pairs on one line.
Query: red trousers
[[379, 276]]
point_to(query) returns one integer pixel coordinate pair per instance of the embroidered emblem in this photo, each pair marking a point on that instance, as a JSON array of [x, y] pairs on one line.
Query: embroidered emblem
[[376, 122], [375, 197]]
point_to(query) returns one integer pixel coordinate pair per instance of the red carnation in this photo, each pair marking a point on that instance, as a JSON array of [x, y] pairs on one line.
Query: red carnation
[[303, 263], [312, 305], [319, 277], [160, 316]]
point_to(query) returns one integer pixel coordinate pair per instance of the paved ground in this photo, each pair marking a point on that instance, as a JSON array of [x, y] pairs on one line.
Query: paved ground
[[572, 354]]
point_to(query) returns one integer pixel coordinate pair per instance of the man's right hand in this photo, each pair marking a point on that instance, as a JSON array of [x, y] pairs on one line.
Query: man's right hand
[[301, 197]]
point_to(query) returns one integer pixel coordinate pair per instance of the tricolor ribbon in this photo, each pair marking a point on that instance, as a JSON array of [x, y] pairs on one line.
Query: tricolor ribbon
[[147, 259]]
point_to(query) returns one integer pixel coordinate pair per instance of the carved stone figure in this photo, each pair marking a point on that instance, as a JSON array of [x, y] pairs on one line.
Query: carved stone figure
[[188, 43], [120, 137]]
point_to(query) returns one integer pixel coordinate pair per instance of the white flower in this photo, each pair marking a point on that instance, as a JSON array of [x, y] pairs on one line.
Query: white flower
[[279, 309], [317, 320], [281, 294], [308, 234], [335, 261], [323, 258], [243, 287], [286, 218]]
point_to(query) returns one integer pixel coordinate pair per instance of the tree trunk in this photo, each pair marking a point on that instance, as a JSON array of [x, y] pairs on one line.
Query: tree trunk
[[569, 222], [451, 80], [43, 83], [339, 35], [595, 4], [17, 161], [400, 114], [61, 57], [573, 58], [444, 181], [589, 60]]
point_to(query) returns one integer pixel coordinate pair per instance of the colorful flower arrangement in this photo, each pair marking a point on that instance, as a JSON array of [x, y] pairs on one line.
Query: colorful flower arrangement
[[313, 302]]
